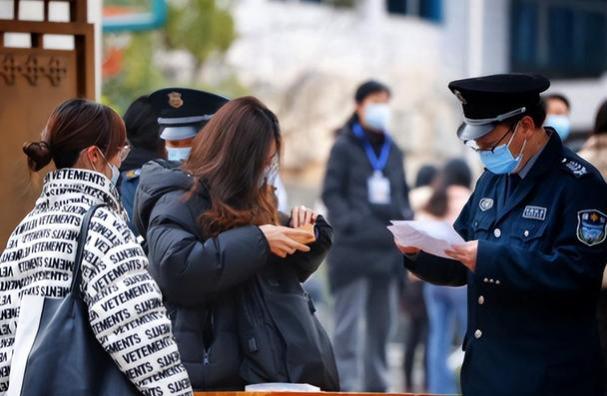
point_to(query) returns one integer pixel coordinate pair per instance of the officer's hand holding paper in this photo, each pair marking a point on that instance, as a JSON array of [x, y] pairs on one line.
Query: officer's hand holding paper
[[431, 236]]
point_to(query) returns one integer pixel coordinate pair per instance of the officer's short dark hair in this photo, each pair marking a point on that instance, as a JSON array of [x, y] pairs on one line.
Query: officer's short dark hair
[[558, 96], [537, 113], [142, 128], [368, 88]]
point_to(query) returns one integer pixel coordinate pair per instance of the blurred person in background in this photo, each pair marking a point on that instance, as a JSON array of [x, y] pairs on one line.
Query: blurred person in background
[[87, 143], [595, 152], [213, 230], [365, 188], [413, 302], [446, 305], [142, 132], [558, 113]]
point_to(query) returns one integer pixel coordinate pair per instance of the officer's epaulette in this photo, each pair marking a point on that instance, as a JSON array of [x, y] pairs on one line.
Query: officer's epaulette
[[132, 174], [574, 167]]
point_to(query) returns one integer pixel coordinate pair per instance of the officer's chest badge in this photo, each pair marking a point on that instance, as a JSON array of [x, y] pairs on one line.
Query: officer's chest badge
[[175, 100], [485, 204], [534, 213], [591, 227]]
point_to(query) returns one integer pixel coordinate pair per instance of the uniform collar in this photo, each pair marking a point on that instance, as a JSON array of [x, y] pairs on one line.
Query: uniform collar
[[79, 185], [546, 158], [136, 158], [525, 171]]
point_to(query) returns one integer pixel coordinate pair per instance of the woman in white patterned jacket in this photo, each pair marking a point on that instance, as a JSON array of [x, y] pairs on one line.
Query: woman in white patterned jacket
[[87, 142]]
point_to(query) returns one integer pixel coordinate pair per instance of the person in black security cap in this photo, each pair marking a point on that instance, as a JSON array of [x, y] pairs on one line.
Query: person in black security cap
[[181, 114], [535, 227], [143, 135]]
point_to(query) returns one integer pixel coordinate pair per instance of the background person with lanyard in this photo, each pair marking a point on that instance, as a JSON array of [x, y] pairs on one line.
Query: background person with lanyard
[[364, 189], [536, 226]]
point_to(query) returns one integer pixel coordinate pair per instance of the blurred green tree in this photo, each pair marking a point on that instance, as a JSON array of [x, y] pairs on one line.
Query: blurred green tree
[[138, 75], [200, 27]]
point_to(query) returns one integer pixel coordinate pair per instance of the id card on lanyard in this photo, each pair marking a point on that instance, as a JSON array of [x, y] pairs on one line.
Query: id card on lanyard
[[378, 185]]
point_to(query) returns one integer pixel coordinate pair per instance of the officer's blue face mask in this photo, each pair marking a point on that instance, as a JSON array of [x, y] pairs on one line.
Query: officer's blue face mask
[[178, 154], [500, 160], [560, 123], [377, 116]]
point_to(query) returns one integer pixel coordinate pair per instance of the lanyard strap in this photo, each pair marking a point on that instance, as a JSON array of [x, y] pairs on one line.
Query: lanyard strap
[[378, 163]]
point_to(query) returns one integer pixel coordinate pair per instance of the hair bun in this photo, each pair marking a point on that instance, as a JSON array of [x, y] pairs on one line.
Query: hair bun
[[38, 155]]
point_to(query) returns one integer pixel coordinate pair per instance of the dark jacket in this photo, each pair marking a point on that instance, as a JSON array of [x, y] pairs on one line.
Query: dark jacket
[[363, 246], [130, 170], [532, 299], [201, 277]]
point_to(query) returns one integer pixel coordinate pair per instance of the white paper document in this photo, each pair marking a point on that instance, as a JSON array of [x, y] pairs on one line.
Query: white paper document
[[431, 236], [281, 387]]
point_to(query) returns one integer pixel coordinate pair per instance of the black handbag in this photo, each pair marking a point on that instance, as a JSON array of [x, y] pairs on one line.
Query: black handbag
[[280, 336], [66, 358]]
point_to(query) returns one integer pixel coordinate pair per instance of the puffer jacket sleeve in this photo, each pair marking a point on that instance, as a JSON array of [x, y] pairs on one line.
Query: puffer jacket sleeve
[[306, 264], [126, 311], [189, 270]]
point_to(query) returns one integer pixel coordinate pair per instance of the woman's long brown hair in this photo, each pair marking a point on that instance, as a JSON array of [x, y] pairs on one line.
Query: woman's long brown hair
[[229, 156]]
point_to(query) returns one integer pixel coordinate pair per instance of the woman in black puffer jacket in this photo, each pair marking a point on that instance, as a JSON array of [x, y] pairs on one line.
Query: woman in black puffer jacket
[[228, 264]]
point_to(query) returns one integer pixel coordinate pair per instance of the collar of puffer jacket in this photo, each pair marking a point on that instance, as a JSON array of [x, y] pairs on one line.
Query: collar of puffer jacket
[[80, 185]]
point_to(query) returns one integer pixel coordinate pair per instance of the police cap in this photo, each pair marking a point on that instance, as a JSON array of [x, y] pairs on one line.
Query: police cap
[[182, 111], [489, 100]]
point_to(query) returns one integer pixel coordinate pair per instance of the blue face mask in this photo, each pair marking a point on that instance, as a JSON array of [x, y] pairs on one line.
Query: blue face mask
[[500, 160], [377, 116], [178, 154], [560, 123]]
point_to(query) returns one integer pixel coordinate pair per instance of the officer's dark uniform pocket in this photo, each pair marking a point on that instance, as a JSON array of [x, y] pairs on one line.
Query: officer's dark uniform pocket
[[528, 232], [482, 226]]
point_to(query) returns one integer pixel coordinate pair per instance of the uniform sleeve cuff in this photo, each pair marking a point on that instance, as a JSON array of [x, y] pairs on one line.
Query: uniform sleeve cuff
[[487, 268]]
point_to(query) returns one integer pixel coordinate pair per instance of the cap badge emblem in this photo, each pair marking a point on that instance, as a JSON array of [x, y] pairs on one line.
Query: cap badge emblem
[[175, 100], [459, 95]]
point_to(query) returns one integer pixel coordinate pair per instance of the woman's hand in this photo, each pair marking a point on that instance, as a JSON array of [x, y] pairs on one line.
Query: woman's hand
[[282, 240], [301, 216]]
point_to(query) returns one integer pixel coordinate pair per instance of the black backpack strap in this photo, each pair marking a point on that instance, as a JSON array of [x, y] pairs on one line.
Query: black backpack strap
[[82, 237]]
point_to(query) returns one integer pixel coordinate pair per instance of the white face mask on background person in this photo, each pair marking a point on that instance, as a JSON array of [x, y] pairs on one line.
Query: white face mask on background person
[[270, 174], [178, 154], [113, 168], [377, 116]]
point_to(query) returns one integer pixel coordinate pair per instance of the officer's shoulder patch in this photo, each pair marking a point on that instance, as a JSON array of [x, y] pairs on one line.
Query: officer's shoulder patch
[[132, 174], [574, 167], [591, 226]]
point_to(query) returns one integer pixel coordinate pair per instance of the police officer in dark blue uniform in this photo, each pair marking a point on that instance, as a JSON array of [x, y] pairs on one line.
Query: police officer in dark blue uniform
[[182, 113], [536, 229], [143, 136]]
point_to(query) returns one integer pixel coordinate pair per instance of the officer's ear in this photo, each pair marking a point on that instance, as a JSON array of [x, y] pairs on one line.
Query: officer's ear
[[527, 126]]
